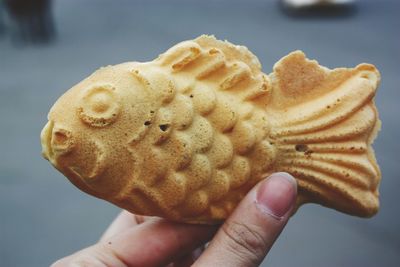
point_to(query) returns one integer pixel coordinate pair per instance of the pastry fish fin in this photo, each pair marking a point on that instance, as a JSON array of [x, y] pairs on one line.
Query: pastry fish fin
[[323, 124], [154, 81], [231, 68]]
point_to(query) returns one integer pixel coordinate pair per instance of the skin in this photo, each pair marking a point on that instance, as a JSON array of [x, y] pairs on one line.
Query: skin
[[243, 240]]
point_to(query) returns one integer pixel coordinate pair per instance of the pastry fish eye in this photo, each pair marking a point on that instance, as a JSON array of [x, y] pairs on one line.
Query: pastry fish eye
[[99, 106]]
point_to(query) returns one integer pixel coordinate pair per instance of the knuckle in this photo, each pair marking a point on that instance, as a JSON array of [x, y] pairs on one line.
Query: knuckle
[[245, 239]]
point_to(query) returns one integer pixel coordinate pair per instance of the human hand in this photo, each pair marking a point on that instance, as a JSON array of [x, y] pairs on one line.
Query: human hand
[[243, 240]]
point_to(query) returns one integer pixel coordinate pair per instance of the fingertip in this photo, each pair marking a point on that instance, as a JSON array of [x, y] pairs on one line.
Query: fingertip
[[286, 176], [122, 222], [276, 194]]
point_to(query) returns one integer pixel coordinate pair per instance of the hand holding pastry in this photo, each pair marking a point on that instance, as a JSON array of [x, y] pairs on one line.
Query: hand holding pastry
[[243, 240]]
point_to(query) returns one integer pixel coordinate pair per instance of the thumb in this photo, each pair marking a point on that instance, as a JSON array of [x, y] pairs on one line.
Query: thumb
[[249, 233]]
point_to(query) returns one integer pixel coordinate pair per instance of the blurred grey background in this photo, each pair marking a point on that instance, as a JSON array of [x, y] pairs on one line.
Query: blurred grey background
[[44, 217]]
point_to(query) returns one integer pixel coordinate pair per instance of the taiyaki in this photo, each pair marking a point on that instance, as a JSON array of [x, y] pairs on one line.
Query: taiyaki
[[187, 135]]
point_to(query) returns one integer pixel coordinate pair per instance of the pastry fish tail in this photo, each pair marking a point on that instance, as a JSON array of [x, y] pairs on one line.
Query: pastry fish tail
[[324, 122]]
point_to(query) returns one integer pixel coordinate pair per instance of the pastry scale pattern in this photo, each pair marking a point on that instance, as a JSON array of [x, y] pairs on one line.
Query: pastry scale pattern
[[187, 135]]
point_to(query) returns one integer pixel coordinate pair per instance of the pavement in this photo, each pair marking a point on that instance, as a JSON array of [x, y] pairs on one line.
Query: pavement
[[44, 217]]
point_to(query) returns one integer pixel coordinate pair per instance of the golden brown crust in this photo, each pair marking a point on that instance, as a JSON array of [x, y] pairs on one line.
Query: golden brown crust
[[187, 135], [325, 138]]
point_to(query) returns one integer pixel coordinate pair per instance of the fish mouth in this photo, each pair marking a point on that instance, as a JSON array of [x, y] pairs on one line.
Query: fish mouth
[[45, 138], [53, 149]]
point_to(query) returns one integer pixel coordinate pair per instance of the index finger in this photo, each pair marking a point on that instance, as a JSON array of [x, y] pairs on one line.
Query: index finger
[[122, 222], [153, 243]]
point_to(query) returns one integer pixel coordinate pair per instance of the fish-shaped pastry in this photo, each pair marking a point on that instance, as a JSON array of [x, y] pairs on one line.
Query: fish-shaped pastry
[[187, 135]]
